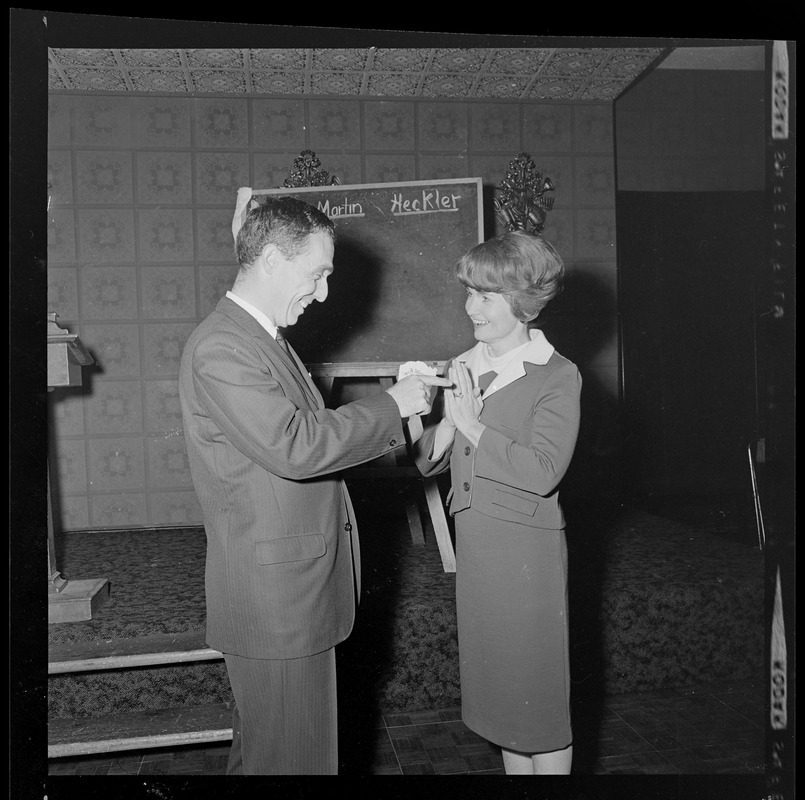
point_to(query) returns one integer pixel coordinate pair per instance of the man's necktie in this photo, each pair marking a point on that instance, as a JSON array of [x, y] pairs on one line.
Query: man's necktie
[[283, 343], [306, 380]]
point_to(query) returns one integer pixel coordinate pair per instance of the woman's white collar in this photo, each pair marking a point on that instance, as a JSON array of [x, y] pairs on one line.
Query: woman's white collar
[[538, 351]]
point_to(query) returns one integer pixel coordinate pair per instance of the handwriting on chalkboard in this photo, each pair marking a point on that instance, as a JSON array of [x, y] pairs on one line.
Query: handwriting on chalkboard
[[427, 201], [394, 296], [341, 210]]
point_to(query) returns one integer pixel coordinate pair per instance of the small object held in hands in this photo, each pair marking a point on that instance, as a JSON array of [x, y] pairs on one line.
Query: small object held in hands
[[415, 368]]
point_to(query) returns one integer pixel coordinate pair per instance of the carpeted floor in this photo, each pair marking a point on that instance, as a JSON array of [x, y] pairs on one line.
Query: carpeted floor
[[654, 603], [157, 575]]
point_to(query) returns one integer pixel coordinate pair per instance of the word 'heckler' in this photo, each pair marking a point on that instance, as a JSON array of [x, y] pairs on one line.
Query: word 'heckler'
[[430, 201]]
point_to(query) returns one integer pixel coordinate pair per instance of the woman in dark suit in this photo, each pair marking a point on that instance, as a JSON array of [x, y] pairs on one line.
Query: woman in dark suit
[[507, 433]]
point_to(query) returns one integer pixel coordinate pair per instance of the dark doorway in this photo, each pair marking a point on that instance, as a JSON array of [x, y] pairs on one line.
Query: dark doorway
[[688, 266]]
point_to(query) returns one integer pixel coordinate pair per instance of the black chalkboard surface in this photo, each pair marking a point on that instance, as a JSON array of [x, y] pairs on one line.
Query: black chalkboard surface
[[393, 296]]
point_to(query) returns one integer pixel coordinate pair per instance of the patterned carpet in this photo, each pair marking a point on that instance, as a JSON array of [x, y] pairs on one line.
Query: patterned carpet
[[654, 603], [157, 575]]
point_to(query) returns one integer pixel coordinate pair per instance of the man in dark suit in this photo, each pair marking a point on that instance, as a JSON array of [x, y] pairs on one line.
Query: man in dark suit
[[283, 563]]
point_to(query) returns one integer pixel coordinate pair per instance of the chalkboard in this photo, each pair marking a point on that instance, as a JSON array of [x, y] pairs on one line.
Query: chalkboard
[[393, 295]]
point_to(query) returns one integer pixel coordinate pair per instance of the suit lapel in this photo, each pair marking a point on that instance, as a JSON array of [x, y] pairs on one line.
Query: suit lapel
[[537, 353], [306, 380], [276, 352]]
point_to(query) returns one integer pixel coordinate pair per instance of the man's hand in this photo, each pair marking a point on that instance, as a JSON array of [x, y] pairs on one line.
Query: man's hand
[[412, 394]]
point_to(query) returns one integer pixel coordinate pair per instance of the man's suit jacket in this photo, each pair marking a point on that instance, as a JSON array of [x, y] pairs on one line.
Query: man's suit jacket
[[282, 547], [531, 414]]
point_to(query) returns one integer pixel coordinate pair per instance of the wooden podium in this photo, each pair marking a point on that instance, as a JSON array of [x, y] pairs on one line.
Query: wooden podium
[[68, 601]]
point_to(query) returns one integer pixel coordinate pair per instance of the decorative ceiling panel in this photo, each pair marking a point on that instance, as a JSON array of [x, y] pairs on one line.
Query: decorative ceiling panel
[[595, 74]]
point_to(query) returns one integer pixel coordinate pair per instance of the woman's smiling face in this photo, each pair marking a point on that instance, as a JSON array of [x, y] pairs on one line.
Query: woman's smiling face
[[493, 321]]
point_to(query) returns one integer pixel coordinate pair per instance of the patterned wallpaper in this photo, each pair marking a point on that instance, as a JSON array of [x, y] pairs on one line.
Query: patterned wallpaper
[[140, 249]]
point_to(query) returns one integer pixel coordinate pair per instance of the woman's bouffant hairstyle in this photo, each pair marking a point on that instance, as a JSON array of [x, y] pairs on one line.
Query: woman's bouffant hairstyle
[[283, 221], [524, 268]]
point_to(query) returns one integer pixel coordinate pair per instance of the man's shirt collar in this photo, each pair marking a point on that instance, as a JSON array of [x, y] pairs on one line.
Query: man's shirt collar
[[264, 321]]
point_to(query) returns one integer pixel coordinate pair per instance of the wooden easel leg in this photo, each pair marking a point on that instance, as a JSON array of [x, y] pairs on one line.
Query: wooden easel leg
[[398, 463], [440, 527], [414, 520]]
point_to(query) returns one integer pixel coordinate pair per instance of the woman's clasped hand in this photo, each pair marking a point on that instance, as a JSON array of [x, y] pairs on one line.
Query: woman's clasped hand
[[463, 403]]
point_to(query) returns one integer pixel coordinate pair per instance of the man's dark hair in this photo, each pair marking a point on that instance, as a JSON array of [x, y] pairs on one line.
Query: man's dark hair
[[283, 221]]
